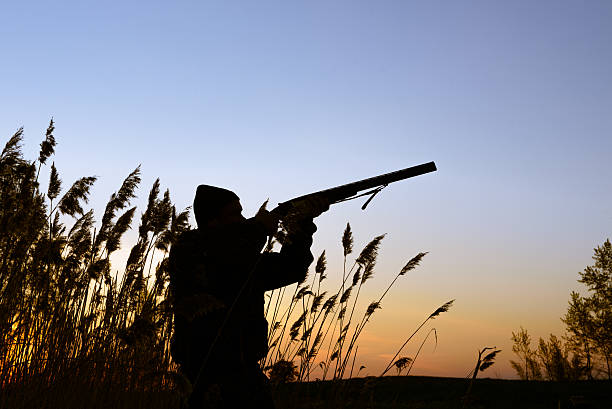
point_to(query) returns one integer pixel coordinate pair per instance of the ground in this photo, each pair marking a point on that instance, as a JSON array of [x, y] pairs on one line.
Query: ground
[[361, 393], [431, 392]]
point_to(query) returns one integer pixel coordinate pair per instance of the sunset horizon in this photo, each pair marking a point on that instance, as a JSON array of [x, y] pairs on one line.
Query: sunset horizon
[[270, 101]]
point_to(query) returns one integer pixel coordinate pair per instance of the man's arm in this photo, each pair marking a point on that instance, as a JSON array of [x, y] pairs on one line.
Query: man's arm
[[290, 265]]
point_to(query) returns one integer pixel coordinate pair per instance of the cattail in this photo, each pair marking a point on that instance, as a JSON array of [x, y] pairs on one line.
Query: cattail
[[178, 225], [120, 227], [11, 154], [412, 263], [341, 313], [306, 334], [356, 276], [161, 272], [445, 307], [57, 228], [345, 295], [296, 326], [316, 302], [81, 226], [136, 253], [145, 220], [488, 360], [47, 146], [347, 240], [127, 190], [370, 251], [330, 303], [367, 272], [372, 307], [304, 291], [161, 214], [316, 342], [69, 203], [402, 362], [55, 183], [321, 266]]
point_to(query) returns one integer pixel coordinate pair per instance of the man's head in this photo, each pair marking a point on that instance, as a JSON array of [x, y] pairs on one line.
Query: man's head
[[216, 206]]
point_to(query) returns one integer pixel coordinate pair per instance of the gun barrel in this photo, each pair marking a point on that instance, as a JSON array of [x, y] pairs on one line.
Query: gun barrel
[[339, 193]]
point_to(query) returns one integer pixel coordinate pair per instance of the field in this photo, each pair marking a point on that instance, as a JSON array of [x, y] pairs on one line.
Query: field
[[431, 392], [375, 393]]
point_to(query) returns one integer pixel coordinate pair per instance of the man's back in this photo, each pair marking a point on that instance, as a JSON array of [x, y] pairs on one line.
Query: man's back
[[218, 277], [215, 298]]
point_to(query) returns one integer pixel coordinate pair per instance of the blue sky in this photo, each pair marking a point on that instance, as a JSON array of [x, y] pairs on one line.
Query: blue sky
[[513, 100]]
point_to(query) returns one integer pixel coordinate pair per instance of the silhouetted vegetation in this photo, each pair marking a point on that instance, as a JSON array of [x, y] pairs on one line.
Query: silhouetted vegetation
[[589, 319], [315, 322], [527, 367], [482, 363], [587, 349], [70, 322], [66, 319]]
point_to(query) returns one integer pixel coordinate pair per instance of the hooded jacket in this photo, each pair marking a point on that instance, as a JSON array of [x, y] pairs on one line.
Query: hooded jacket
[[218, 277]]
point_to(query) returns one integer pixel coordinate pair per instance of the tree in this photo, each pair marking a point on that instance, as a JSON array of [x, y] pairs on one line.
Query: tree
[[579, 326], [554, 358], [528, 367], [589, 318]]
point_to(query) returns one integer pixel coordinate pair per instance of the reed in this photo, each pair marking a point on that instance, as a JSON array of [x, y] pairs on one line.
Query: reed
[[65, 317], [317, 325]]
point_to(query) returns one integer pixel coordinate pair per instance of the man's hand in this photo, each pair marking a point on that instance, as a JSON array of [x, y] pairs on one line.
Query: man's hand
[[299, 220], [267, 219], [312, 207]]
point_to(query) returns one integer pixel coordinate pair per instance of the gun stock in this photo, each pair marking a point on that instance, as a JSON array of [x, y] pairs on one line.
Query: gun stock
[[351, 190]]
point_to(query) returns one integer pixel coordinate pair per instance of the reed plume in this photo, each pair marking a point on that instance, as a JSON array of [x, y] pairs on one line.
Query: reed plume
[[64, 318]]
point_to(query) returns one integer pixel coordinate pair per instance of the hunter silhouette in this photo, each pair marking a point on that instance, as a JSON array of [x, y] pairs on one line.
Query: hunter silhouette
[[218, 276]]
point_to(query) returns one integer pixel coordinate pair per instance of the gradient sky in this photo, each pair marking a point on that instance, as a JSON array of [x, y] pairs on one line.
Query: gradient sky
[[273, 99]]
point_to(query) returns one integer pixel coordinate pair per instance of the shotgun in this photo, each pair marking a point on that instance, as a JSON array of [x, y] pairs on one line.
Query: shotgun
[[351, 190]]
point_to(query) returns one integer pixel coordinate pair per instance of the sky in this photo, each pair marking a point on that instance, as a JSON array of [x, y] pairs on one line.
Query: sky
[[275, 99]]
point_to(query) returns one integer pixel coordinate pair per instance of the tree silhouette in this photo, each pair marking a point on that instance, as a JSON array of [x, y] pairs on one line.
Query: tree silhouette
[[527, 368], [589, 318]]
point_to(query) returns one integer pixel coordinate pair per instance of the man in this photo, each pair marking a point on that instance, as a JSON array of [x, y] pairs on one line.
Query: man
[[218, 276]]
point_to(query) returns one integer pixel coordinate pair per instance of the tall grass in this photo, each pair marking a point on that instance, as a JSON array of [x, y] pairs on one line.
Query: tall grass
[[65, 316], [318, 330], [71, 322]]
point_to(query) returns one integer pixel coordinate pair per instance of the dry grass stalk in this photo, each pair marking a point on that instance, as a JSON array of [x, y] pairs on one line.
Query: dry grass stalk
[[316, 324]]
